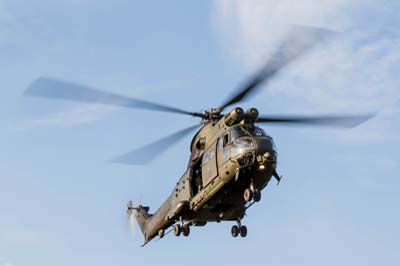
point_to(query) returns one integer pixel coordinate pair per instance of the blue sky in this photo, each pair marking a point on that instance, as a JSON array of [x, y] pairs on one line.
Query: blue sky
[[62, 204]]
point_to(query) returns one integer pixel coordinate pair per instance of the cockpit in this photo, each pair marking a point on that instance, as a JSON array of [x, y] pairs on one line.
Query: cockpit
[[254, 131], [245, 139]]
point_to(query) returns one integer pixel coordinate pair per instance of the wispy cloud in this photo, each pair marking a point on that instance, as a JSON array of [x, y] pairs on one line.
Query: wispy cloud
[[358, 71], [81, 114], [5, 262], [6, 20]]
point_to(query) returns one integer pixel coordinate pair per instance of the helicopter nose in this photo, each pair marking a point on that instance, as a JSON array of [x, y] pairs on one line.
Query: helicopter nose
[[267, 159]]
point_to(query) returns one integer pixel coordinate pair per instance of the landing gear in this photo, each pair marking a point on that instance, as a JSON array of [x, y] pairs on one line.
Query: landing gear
[[251, 193], [183, 229], [243, 231], [239, 229], [177, 229], [248, 195], [161, 233], [186, 230], [235, 231], [257, 195]]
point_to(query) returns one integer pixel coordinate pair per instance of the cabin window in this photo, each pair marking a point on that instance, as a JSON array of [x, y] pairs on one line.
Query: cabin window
[[201, 143], [205, 158], [211, 154], [208, 156], [220, 144]]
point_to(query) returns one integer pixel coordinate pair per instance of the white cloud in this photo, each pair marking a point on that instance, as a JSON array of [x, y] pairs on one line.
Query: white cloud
[[82, 114], [358, 71], [6, 20], [255, 25], [5, 262]]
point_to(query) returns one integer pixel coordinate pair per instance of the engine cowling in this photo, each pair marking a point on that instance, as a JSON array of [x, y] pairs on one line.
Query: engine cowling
[[252, 114], [234, 116]]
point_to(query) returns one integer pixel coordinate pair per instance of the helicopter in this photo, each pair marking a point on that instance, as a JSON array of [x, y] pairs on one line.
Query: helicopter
[[232, 159]]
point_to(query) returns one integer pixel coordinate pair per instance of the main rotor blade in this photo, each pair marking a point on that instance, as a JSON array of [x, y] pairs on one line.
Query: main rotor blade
[[149, 152], [301, 40], [58, 89], [342, 121]]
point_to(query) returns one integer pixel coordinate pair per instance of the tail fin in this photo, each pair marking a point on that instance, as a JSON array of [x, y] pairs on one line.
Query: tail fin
[[142, 215]]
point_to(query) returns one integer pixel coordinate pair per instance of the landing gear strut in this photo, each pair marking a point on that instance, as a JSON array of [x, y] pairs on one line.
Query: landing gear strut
[[239, 229]]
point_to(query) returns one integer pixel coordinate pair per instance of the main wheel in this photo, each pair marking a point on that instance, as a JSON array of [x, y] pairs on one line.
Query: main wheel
[[235, 231], [248, 195], [257, 195], [177, 230], [186, 230], [161, 233], [243, 231]]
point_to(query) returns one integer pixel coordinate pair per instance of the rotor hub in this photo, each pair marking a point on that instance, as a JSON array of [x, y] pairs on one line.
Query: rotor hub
[[212, 115]]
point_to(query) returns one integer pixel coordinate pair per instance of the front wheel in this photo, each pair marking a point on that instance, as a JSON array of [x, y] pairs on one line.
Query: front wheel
[[257, 195], [243, 231], [186, 230], [235, 231], [177, 230], [247, 195]]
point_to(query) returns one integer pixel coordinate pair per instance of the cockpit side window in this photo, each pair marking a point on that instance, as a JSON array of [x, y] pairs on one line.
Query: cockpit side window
[[259, 132], [223, 151], [225, 141]]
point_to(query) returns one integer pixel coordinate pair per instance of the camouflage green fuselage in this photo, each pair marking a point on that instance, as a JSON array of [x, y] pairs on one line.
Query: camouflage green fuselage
[[225, 159]]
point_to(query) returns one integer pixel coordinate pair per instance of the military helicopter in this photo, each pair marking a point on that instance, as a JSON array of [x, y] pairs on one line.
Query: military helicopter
[[232, 159]]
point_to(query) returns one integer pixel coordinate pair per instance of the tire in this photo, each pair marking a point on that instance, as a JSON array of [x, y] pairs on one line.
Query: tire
[[177, 230], [257, 196], [186, 230], [235, 231], [243, 231], [161, 233], [247, 195]]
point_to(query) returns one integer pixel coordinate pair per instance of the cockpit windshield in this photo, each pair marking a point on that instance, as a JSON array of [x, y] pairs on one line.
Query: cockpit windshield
[[258, 132], [240, 146], [237, 132]]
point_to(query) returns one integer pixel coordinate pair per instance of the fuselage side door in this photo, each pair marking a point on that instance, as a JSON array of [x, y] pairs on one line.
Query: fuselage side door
[[223, 152], [209, 164]]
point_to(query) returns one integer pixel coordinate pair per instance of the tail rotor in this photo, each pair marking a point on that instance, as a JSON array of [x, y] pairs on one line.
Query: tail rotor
[[131, 219]]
